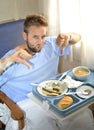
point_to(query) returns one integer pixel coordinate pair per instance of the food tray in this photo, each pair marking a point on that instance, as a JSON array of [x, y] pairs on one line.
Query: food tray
[[78, 100]]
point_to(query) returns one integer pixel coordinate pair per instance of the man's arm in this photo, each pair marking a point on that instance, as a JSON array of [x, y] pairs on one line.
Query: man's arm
[[67, 38], [74, 38], [19, 56], [4, 63]]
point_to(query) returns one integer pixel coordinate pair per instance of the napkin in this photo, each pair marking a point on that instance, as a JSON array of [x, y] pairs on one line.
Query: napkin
[[71, 83]]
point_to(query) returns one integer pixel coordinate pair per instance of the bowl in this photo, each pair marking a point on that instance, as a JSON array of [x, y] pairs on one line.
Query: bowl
[[81, 72]]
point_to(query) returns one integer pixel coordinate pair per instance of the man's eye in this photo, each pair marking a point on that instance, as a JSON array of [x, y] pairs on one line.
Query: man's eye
[[36, 37], [43, 37]]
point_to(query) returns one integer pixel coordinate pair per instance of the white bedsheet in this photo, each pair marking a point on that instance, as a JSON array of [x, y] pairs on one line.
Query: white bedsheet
[[39, 119]]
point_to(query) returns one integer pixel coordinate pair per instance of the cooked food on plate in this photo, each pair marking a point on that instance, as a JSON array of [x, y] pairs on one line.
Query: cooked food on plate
[[51, 89]]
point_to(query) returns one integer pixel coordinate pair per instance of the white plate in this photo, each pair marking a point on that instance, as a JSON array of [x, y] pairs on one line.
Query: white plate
[[84, 87], [48, 83]]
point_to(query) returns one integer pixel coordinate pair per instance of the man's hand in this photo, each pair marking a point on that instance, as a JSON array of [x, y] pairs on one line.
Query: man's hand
[[20, 56], [63, 40]]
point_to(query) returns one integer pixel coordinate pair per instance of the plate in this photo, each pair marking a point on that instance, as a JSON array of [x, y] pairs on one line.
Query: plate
[[49, 85], [84, 87]]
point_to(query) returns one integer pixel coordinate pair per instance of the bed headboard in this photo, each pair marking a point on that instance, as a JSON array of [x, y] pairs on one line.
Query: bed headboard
[[10, 35]]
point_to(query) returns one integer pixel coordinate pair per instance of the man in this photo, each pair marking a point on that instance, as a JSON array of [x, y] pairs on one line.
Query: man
[[34, 61]]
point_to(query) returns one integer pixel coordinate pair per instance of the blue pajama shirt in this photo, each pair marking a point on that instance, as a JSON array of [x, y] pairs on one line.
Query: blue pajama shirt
[[15, 81]]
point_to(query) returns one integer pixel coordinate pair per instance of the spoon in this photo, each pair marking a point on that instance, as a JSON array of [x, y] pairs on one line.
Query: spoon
[[88, 91], [84, 92], [35, 84]]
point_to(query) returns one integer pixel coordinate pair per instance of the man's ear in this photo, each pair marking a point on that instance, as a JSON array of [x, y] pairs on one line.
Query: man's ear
[[24, 36]]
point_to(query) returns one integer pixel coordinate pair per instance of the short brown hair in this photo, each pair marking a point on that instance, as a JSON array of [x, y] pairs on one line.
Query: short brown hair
[[34, 19]]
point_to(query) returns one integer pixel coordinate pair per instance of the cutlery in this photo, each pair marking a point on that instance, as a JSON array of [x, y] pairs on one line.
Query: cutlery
[[62, 76], [35, 84], [84, 92]]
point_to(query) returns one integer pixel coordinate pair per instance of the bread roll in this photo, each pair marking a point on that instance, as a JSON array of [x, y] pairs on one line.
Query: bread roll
[[65, 102]]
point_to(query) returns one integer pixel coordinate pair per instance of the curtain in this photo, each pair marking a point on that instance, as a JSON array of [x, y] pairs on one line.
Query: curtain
[[50, 9], [87, 32], [72, 16], [69, 21]]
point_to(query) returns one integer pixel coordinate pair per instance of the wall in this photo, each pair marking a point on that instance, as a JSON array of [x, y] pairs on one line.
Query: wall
[[16, 9], [7, 9], [26, 7]]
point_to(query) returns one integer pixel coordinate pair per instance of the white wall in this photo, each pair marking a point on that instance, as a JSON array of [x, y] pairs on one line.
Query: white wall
[[7, 8], [25, 7], [16, 9]]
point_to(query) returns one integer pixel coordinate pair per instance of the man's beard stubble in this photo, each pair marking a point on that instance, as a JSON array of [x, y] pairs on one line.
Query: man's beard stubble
[[31, 49]]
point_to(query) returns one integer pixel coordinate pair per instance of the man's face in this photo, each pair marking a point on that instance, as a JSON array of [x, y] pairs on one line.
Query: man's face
[[35, 38]]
